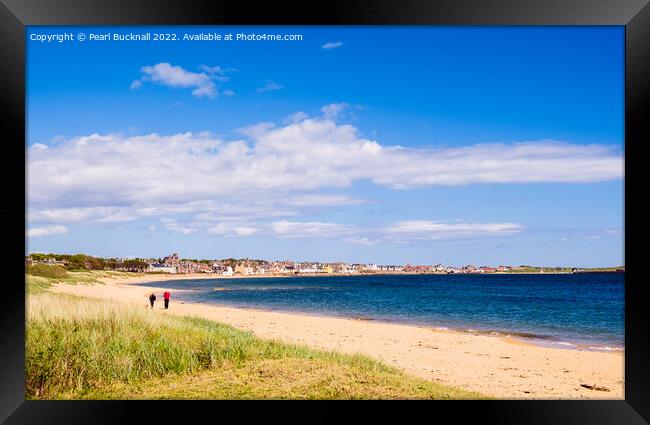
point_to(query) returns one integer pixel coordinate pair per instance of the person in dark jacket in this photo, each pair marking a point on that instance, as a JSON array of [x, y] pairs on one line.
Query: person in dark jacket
[[152, 298], [166, 296]]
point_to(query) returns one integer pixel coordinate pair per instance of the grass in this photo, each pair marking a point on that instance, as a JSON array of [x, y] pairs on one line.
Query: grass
[[38, 283], [79, 348], [45, 270]]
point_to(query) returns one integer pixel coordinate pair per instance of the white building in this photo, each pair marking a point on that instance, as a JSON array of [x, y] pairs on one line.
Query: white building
[[161, 268], [308, 270]]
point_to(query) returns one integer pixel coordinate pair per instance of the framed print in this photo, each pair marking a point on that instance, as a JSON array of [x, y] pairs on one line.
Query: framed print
[[423, 201]]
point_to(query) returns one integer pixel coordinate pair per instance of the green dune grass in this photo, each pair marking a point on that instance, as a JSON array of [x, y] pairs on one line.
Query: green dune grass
[[38, 280], [79, 348]]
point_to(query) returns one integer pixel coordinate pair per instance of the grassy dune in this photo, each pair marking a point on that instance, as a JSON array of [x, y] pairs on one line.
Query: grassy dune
[[79, 348], [38, 284]]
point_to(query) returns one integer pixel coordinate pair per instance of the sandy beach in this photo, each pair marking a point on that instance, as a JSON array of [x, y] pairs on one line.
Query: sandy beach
[[497, 366]]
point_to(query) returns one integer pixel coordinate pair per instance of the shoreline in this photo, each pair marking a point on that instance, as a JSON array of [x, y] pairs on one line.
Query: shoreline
[[522, 338], [499, 366], [192, 276], [519, 336]]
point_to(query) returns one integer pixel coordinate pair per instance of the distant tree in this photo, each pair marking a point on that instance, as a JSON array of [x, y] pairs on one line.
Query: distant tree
[[93, 263], [77, 262], [61, 257], [111, 263], [135, 265], [45, 270], [39, 257], [232, 262], [85, 262]]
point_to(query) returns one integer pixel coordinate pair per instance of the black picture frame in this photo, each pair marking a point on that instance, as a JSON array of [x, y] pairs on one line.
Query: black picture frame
[[15, 15]]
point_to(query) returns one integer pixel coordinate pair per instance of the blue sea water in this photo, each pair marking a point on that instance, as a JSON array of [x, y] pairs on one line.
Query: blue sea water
[[571, 310]]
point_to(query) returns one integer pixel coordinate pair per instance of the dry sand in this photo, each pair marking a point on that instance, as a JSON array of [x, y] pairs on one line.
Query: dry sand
[[502, 367]]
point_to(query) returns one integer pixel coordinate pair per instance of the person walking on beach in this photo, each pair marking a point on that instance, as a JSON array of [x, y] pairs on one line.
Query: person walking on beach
[[166, 296], [152, 298]]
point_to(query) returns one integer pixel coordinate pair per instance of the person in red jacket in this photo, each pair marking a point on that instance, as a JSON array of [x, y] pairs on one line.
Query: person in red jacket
[[166, 296]]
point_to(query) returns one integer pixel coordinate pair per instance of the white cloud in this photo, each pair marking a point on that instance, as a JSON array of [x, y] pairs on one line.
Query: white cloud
[[175, 76], [400, 232], [216, 73], [228, 229], [331, 45], [295, 118], [314, 200], [174, 226], [82, 214], [333, 110], [248, 210], [432, 230], [228, 92], [358, 240], [244, 230], [36, 232], [212, 69], [269, 85], [277, 172], [293, 229], [257, 130], [38, 147]]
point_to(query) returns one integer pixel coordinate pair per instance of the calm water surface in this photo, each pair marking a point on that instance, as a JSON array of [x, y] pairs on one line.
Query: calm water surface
[[584, 310]]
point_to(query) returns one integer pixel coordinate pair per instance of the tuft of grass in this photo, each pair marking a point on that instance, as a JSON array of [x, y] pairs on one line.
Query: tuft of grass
[[287, 378], [48, 271], [92, 277], [80, 348], [35, 284]]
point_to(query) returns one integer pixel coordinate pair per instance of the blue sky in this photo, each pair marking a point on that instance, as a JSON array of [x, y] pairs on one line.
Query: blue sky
[[385, 144]]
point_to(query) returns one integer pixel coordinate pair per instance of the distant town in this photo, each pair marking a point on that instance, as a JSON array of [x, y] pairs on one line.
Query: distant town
[[173, 264]]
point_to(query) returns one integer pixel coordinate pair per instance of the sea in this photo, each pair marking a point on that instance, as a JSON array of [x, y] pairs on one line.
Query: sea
[[581, 310]]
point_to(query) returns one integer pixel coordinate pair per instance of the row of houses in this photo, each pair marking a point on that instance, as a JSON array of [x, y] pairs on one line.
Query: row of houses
[[48, 261], [172, 264], [481, 269]]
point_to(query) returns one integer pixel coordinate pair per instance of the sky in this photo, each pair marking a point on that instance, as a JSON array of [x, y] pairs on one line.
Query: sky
[[387, 145]]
